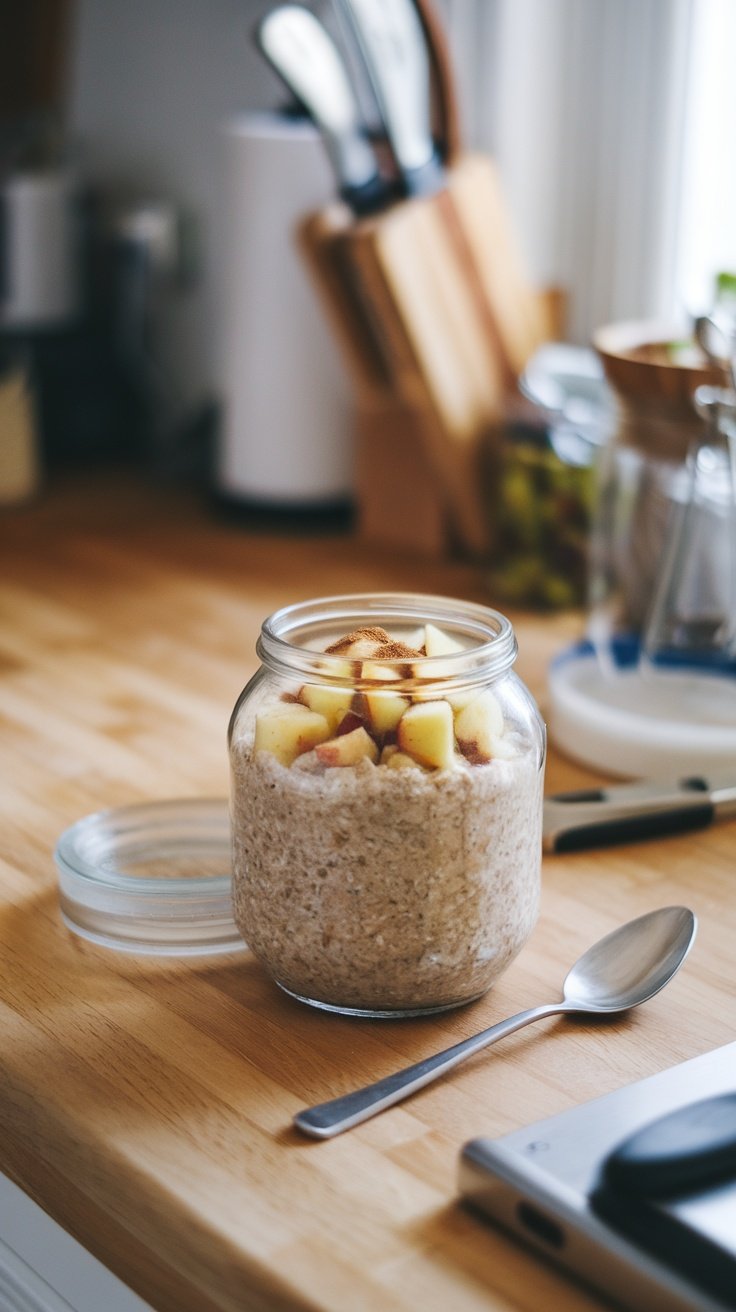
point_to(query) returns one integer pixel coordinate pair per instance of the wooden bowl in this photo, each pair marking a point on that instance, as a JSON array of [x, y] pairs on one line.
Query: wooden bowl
[[644, 369]]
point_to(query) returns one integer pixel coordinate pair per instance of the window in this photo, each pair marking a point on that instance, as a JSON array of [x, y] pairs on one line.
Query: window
[[613, 124]]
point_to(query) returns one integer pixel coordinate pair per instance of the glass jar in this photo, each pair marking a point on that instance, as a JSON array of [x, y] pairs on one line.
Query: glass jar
[[544, 479], [387, 771], [644, 480], [692, 618]]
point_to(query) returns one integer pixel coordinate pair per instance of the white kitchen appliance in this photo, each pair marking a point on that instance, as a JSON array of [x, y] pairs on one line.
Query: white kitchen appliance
[[541, 1182]]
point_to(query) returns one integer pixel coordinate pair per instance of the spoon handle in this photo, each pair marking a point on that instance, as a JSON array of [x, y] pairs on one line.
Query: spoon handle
[[331, 1118]]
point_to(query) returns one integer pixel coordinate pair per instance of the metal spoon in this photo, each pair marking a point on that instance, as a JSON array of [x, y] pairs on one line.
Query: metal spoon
[[622, 970]]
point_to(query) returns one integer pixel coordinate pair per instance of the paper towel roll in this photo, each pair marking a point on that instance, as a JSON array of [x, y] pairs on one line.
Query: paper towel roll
[[287, 430]]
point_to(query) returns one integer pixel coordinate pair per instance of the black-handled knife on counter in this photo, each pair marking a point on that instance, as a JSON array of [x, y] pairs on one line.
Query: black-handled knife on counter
[[624, 813]]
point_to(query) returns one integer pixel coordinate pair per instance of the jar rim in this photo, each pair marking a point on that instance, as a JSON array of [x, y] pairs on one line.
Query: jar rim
[[490, 655]]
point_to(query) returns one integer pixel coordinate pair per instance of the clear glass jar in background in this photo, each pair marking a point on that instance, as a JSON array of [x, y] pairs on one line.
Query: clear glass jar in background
[[544, 479], [651, 690], [644, 482], [692, 616], [386, 803], [641, 478]]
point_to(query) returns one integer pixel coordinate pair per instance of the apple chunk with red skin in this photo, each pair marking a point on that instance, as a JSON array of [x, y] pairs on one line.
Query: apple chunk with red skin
[[347, 749], [289, 729], [426, 733], [479, 728]]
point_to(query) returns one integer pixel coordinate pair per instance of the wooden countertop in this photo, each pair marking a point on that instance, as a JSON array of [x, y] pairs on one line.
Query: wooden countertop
[[147, 1106]]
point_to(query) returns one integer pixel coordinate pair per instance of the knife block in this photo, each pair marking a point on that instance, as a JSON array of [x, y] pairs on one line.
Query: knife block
[[435, 319]]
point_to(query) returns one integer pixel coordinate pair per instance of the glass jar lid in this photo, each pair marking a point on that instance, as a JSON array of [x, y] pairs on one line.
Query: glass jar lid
[[152, 878]]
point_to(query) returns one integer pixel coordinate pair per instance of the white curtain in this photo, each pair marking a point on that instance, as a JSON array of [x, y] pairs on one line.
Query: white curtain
[[588, 108], [706, 238]]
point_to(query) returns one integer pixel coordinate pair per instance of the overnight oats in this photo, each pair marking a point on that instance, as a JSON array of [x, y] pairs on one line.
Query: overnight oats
[[387, 770]]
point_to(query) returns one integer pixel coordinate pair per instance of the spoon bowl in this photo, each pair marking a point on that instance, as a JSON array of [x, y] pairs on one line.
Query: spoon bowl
[[619, 972], [632, 963]]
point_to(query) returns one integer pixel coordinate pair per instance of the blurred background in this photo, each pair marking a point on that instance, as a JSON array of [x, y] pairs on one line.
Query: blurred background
[[508, 339], [128, 212]]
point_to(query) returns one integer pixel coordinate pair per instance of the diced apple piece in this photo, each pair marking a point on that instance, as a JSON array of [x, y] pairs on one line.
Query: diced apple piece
[[393, 756], [426, 733], [392, 660], [478, 726], [439, 643], [459, 700], [377, 671], [348, 749], [385, 709], [288, 729], [337, 667], [333, 703], [360, 648], [360, 643], [416, 640], [402, 761]]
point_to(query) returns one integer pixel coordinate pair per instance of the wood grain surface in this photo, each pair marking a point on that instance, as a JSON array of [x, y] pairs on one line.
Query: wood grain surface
[[147, 1106]]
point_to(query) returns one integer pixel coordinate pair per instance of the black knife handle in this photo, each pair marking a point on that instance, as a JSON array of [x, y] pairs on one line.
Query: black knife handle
[[426, 180], [627, 829], [369, 197]]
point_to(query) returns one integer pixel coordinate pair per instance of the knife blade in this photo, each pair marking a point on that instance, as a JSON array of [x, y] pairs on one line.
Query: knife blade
[[391, 39], [307, 60], [601, 817]]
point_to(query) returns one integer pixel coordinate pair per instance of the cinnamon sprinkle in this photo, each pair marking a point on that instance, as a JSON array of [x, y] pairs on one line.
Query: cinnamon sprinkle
[[368, 634]]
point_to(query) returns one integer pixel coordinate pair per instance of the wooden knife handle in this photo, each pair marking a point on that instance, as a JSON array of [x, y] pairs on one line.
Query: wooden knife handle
[[445, 109]]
